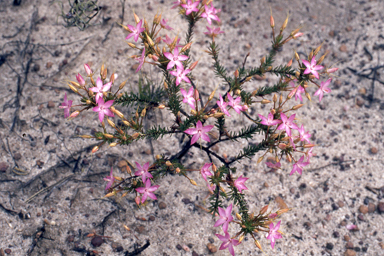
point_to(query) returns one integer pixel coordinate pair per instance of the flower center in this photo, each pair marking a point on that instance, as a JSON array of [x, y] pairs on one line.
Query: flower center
[[175, 58]]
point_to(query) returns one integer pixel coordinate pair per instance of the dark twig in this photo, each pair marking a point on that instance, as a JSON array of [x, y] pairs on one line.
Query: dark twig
[[138, 250]]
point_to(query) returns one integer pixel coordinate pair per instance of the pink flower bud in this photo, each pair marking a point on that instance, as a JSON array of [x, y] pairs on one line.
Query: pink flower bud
[[297, 35], [155, 58], [88, 69], [282, 146], [272, 215], [80, 79], [196, 94], [137, 200], [332, 70], [74, 114], [245, 108]]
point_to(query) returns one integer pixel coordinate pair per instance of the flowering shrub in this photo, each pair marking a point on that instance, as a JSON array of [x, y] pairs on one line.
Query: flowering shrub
[[282, 137]]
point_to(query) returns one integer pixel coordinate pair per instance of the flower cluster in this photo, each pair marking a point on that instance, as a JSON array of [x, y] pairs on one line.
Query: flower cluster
[[197, 117]]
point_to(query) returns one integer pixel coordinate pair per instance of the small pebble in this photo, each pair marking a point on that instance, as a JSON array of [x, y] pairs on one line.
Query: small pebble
[[380, 207], [381, 245], [359, 102], [281, 203], [329, 246], [343, 48], [371, 207], [211, 240], [349, 245], [162, 205], [140, 229], [51, 104], [212, 248], [347, 238], [8, 251], [152, 218], [336, 234], [360, 217], [3, 166], [350, 253], [363, 209], [340, 204], [195, 253], [49, 65], [266, 185], [17, 156], [97, 241], [179, 247], [374, 150], [2, 252]]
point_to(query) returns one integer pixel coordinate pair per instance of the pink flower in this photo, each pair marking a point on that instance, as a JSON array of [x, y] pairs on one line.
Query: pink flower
[[287, 123], [239, 183], [143, 171], [297, 91], [100, 88], [235, 104], [199, 132], [180, 74], [272, 215], [176, 4], [228, 243], [66, 105], [169, 41], [312, 67], [223, 105], [275, 166], [163, 24], [205, 171], [304, 136], [103, 109], [211, 187], [80, 79], [269, 121], [175, 58], [298, 166], [273, 233], [135, 31], [323, 89], [141, 60], [88, 69], [225, 218], [190, 7], [188, 97], [213, 31], [309, 154], [147, 191], [110, 180], [210, 14]]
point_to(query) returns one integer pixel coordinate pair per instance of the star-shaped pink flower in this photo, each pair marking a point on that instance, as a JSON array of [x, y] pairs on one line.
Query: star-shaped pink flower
[[136, 31], [175, 58], [199, 132], [312, 67], [176, 4], [188, 97], [239, 183], [309, 154], [143, 171], [304, 136], [169, 41], [228, 243], [147, 191], [287, 123], [205, 171], [190, 7], [323, 89], [210, 14], [269, 121], [103, 109], [298, 166], [211, 187], [180, 75], [235, 103], [298, 91], [110, 179], [225, 218], [141, 60], [163, 24], [213, 31], [223, 105], [100, 88], [274, 234], [66, 105]]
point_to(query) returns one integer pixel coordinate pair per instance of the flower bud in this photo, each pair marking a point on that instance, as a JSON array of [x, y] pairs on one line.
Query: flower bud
[[297, 57], [193, 65], [143, 113], [193, 182], [284, 24], [86, 136], [222, 189], [309, 145], [272, 21], [158, 157], [297, 35], [297, 106], [258, 245], [282, 146], [254, 93], [265, 101], [127, 228], [218, 115], [214, 168], [273, 111], [74, 114], [168, 163], [112, 124], [108, 136], [262, 60], [193, 112], [113, 144], [236, 73], [95, 148], [310, 56], [264, 210], [297, 74], [237, 91], [80, 79], [110, 194], [186, 47], [73, 88], [196, 94], [137, 200], [92, 81], [241, 238], [150, 41], [260, 159], [293, 92], [289, 158], [132, 45], [161, 106], [177, 170], [248, 79], [274, 98], [155, 58], [332, 70], [88, 69], [268, 68], [105, 73], [317, 49], [308, 96], [137, 20], [238, 216], [126, 123], [289, 63], [165, 85], [211, 95], [135, 135]]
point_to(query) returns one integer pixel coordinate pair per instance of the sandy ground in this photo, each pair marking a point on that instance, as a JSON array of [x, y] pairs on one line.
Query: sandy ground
[[343, 179]]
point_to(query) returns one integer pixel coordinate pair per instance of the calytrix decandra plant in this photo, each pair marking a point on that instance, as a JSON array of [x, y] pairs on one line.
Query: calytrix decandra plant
[[282, 136]]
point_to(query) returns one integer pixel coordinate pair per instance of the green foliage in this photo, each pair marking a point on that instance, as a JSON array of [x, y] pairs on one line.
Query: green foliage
[[245, 133]]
